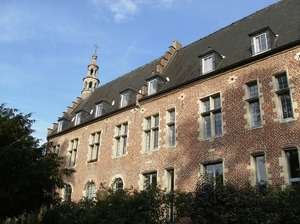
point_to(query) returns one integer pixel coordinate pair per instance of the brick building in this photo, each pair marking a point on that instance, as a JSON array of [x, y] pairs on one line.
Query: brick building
[[227, 104]]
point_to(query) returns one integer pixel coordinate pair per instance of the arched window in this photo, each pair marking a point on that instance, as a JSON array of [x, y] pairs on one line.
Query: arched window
[[90, 85], [68, 192], [92, 71], [118, 184], [90, 190]]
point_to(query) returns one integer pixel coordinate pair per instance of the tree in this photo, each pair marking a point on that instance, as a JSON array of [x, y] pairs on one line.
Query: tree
[[29, 175]]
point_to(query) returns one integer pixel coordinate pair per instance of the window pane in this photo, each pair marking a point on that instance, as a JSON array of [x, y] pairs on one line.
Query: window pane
[[293, 160], [155, 144], [255, 114], [206, 105], [148, 123], [124, 145], [207, 64], [218, 123], [261, 175], [207, 126], [90, 191], [217, 102], [148, 141], [68, 192], [172, 135], [125, 128], [282, 81], [118, 147], [172, 116], [253, 90], [156, 121], [286, 105]]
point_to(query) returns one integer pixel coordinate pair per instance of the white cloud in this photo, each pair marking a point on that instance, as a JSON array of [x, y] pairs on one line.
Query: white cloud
[[123, 9]]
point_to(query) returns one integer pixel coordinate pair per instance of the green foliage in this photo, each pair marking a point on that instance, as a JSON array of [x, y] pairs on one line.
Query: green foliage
[[244, 204], [29, 176], [122, 207]]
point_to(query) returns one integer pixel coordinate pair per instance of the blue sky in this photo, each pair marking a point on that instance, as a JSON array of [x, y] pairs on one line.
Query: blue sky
[[46, 45]]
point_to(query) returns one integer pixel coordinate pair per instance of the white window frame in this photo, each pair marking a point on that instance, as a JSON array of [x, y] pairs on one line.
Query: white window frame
[[207, 63], [59, 126], [78, 118], [99, 110], [152, 86], [259, 43], [124, 99]]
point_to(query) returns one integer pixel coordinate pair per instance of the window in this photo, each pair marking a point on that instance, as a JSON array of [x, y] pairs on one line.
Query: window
[[170, 176], [215, 172], [152, 87], [155, 82], [209, 61], [59, 126], [260, 170], [121, 139], [262, 40], [207, 64], [151, 126], [150, 180], [67, 193], [72, 153], [254, 105], [283, 93], [94, 147], [171, 128], [56, 149], [90, 191], [78, 118], [124, 99], [292, 157], [260, 43], [118, 184], [211, 116], [99, 110]]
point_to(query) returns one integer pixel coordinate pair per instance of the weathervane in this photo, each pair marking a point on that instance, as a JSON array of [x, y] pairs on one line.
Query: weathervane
[[96, 47]]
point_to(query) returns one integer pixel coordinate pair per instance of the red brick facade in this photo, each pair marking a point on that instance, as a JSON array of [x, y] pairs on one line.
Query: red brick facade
[[235, 147]]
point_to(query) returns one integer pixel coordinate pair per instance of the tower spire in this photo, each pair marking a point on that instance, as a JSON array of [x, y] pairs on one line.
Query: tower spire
[[91, 81]]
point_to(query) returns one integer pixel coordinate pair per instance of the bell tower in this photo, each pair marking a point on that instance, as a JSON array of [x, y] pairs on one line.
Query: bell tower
[[91, 82]]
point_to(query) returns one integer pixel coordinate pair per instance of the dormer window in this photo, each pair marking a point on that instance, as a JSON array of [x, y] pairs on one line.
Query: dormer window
[[127, 97], [62, 123], [262, 40], [209, 61], [80, 116], [99, 110], [207, 64], [155, 82], [101, 107], [152, 87], [124, 99]]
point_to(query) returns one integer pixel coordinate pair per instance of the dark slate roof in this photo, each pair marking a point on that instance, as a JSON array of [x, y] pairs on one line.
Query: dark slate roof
[[233, 42]]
